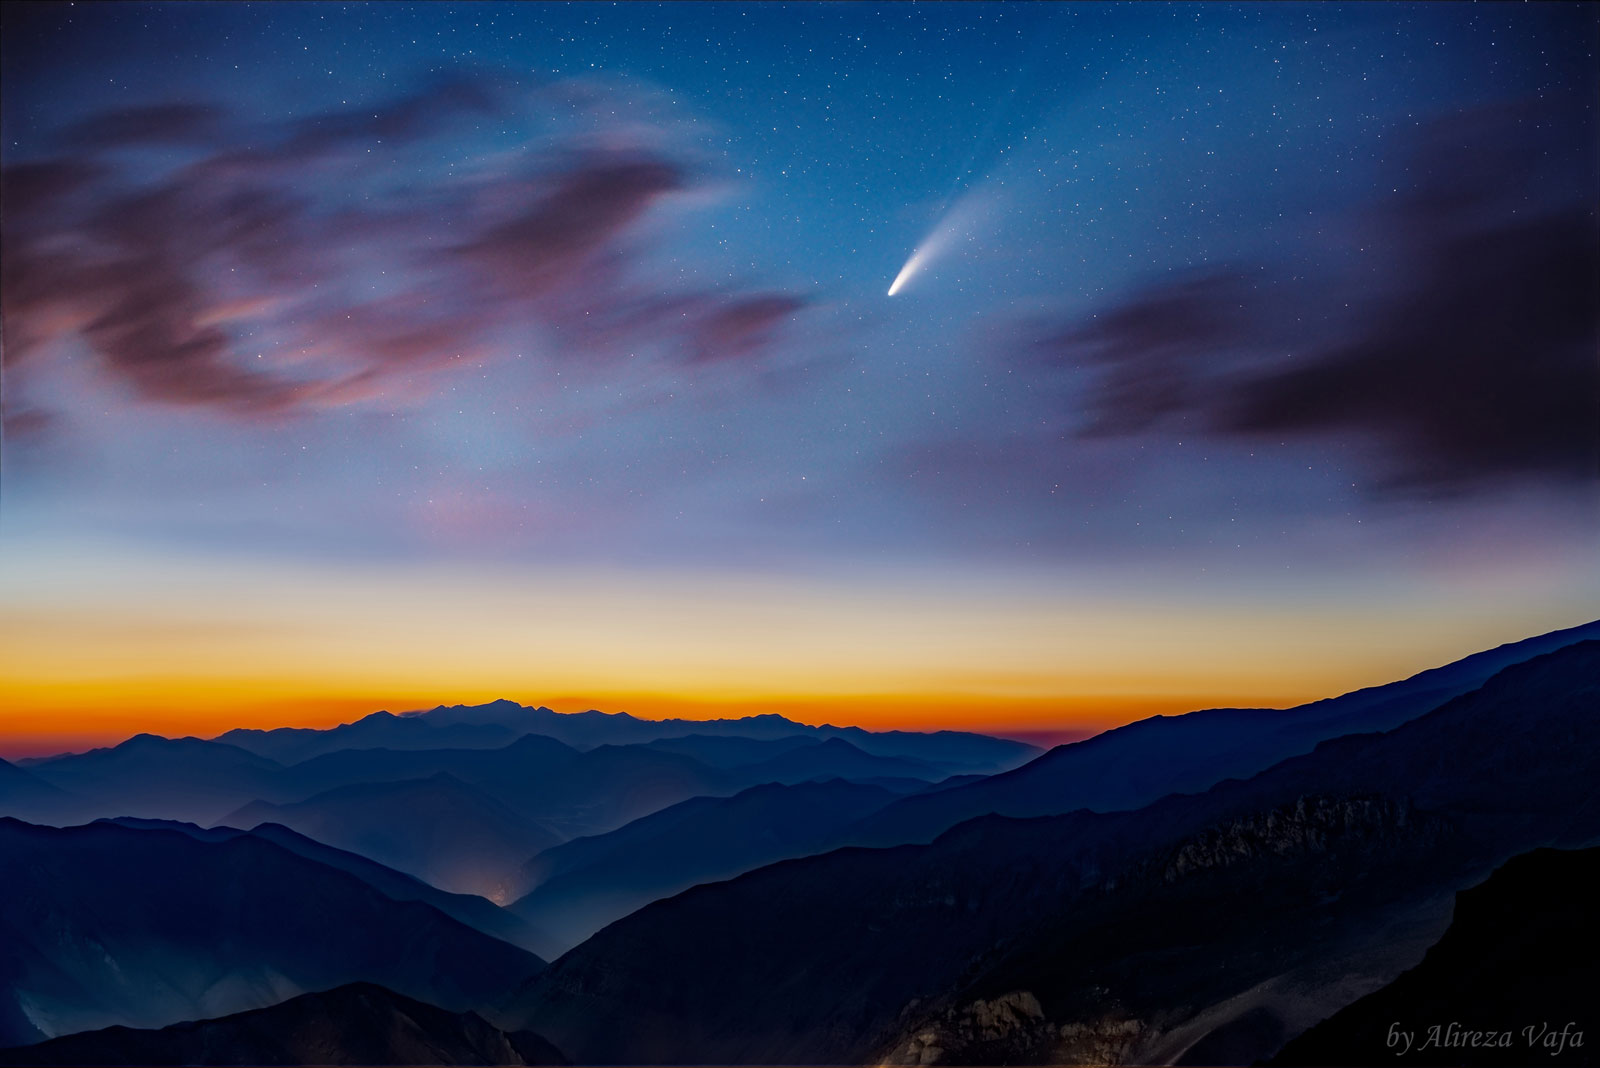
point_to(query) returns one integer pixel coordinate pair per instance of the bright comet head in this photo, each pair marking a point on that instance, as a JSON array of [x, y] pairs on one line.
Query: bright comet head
[[956, 223], [911, 267]]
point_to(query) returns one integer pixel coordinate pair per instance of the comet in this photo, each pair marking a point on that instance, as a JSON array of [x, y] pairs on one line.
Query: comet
[[931, 247], [956, 223]]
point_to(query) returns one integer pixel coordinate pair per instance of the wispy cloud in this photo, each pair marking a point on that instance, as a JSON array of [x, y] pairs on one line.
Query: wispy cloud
[[262, 269]]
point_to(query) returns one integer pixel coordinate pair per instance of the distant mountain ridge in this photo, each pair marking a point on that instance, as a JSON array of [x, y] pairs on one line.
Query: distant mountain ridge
[[149, 776], [499, 722], [26, 795]]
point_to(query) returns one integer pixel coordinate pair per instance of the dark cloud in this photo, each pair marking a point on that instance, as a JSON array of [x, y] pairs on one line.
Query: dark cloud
[[449, 99], [1477, 363], [537, 251], [154, 336], [1148, 353], [741, 326], [125, 273], [28, 190], [159, 124], [1488, 368], [26, 423], [33, 276]]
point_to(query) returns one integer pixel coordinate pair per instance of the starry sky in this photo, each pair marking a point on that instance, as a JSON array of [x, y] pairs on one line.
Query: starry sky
[[380, 355]]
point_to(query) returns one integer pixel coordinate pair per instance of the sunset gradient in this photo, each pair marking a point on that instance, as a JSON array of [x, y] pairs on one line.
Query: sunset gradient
[[400, 355], [100, 648]]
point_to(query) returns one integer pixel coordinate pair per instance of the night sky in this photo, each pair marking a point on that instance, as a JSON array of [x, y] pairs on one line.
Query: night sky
[[369, 356]]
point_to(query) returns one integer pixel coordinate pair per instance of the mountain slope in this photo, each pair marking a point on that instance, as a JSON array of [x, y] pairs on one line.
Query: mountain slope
[[1134, 765], [609, 786], [476, 912], [1522, 951], [438, 829], [730, 751], [1128, 935], [832, 759], [105, 924], [357, 1024], [580, 886]]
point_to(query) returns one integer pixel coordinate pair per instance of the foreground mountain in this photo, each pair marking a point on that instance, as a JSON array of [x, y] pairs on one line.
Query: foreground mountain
[[439, 829], [1134, 765], [1102, 937], [476, 912], [357, 1024], [1520, 963], [105, 924], [580, 886]]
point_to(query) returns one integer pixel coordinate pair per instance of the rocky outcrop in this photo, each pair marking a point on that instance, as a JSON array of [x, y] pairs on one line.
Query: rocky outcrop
[[1310, 825], [1090, 1013], [1013, 1027]]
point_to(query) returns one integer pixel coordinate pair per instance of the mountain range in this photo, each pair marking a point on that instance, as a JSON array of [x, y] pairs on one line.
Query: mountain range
[[1186, 889], [1073, 939], [497, 723]]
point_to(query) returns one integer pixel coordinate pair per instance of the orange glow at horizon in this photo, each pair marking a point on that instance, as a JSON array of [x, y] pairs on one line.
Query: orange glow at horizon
[[73, 719], [96, 647]]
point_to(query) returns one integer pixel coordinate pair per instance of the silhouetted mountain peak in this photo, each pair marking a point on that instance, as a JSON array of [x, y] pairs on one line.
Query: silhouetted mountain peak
[[500, 705], [147, 739], [595, 712], [155, 744]]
